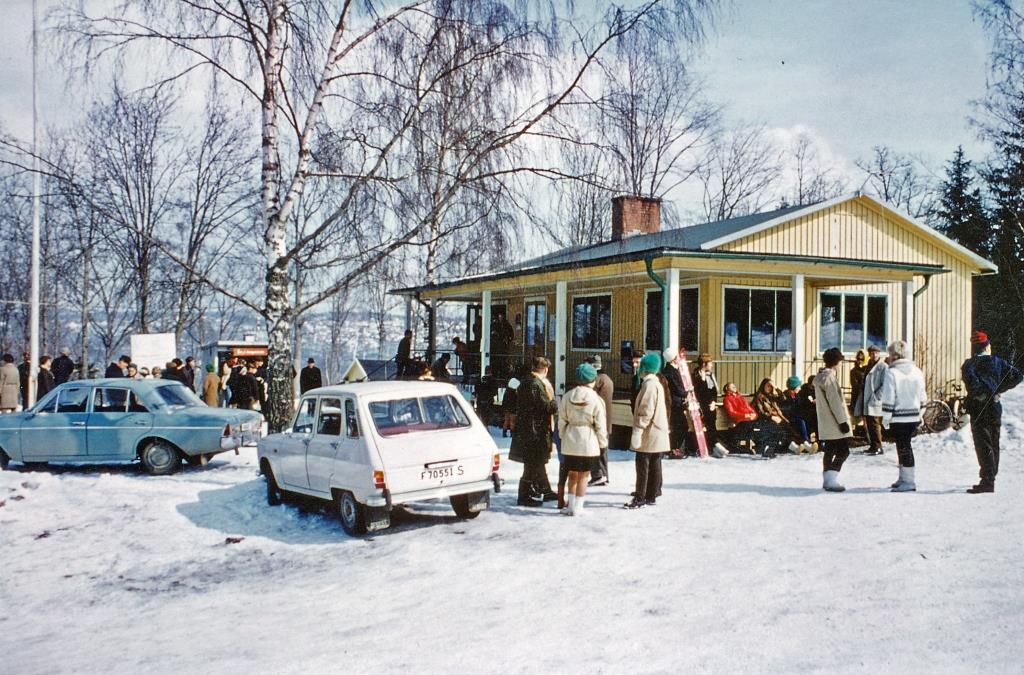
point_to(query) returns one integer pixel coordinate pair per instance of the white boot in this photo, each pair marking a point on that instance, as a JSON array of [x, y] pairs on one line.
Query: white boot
[[831, 482], [807, 447], [906, 482], [719, 451], [794, 448], [577, 508], [570, 504]]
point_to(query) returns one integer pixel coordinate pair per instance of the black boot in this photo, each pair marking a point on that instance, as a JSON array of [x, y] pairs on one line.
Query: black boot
[[981, 488], [637, 503]]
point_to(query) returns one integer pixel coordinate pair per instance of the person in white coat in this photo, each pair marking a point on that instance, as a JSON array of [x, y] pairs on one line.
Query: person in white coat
[[869, 402], [582, 430], [650, 435], [833, 420], [903, 396]]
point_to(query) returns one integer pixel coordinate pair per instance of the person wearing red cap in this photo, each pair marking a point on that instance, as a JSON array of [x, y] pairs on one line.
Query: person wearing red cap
[[986, 378]]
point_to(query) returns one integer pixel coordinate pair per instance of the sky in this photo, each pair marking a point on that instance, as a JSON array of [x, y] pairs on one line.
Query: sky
[[852, 75]]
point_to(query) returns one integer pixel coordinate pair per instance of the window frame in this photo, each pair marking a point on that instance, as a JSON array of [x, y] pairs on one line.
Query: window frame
[[754, 352], [682, 287], [542, 339], [64, 390], [611, 318], [298, 411], [320, 414], [842, 317], [127, 400]]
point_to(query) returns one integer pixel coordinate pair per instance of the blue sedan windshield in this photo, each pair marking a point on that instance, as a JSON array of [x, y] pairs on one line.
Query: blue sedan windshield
[[177, 396]]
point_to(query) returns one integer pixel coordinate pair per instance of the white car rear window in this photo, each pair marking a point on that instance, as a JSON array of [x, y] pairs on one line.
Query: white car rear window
[[427, 413]]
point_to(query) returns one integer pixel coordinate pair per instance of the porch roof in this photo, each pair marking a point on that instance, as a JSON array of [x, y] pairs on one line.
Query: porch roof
[[544, 266]]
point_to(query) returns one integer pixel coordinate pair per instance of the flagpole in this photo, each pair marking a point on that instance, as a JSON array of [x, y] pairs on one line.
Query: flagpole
[[36, 189]]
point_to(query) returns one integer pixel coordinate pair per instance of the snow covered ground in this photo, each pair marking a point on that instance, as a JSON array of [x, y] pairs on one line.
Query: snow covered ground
[[743, 566]]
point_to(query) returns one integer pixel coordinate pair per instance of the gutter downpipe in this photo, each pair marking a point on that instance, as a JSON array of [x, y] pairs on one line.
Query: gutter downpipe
[[663, 285]]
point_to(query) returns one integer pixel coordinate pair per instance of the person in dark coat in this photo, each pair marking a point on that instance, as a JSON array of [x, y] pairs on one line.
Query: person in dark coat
[[24, 372], [439, 369], [63, 366], [44, 380], [986, 378], [117, 369], [486, 391], [531, 440], [190, 373], [502, 336], [605, 389], [310, 377], [244, 388], [676, 401], [705, 388], [509, 405], [404, 356]]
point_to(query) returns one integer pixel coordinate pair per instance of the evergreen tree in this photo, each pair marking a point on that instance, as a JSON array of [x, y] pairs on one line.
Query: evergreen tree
[[961, 213]]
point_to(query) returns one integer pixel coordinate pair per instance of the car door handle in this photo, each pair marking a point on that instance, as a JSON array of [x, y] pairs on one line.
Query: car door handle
[[78, 424], [335, 445]]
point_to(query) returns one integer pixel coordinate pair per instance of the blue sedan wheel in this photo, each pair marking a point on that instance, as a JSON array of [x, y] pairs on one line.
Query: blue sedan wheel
[[160, 458]]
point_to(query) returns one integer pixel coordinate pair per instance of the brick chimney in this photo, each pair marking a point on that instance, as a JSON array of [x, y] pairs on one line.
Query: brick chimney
[[635, 215]]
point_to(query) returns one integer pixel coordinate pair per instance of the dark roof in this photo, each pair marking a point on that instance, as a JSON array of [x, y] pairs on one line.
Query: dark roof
[[689, 238]]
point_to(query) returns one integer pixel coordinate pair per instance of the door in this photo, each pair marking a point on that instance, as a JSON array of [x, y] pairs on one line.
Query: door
[[117, 423], [535, 341], [293, 445], [58, 431], [335, 450], [428, 442]]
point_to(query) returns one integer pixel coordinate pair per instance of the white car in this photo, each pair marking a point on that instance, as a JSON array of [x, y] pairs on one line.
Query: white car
[[369, 446]]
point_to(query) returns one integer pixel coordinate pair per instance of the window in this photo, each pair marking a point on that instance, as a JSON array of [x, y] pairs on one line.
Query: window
[[303, 423], [757, 320], [592, 322], [178, 395], [47, 404], [110, 401], [535, 321], [72, 400], [417, 414], [689, 308], [351, 420], [853, 321], [330, 417]]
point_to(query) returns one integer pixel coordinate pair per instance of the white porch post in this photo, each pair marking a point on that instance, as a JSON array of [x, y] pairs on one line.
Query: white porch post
[[673, 311], [797, 323], [908, 315], [408, 312], [485, 333], [561, 336]]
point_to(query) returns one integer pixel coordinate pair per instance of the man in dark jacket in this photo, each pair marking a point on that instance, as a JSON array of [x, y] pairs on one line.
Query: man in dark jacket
[[310, 377], [677, 402], [190, 373], [531, 439], [404, 356], [24, 371], [986, 378], [44, 378], [244, 388], [63, 366], [117, 369], [605, 389]]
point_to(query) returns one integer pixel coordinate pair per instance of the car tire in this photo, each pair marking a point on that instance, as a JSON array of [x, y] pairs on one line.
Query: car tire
[[5, 460], [160, 458], [275, 495], [351, 513], [460, 503]]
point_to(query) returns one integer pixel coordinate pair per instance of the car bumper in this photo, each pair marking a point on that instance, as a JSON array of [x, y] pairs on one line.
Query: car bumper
[[442, 492], [230, 442]]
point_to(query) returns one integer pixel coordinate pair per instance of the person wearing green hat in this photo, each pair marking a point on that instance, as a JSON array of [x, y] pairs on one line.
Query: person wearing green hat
[[211, 387], [581, 427], [650, 435], [790, 405]]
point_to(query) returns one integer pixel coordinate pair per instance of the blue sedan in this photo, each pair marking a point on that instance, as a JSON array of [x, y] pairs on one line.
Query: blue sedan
[[158, 422]]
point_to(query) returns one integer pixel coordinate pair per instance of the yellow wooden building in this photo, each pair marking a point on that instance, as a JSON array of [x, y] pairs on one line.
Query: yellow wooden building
[[764, 294]]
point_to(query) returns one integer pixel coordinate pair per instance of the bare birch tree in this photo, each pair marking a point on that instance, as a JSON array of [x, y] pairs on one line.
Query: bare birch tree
[[741, 173], [901, 181]]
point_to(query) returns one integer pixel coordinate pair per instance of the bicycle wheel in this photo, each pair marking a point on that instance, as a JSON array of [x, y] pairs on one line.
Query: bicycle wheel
[[936, 416]]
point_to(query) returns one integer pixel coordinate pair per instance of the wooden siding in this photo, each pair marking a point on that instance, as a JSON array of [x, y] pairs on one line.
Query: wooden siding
[[857, 229]]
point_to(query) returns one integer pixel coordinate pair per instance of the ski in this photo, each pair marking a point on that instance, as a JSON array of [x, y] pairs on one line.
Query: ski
[[693, 407]]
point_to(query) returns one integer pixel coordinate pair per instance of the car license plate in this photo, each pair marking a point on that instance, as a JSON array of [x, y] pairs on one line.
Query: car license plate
[[441, 472]]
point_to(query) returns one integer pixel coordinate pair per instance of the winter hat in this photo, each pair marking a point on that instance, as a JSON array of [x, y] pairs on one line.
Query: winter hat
[[595, 361], [650, 363], [793, 382], [670, 355], [65, 351], [209, 367], [979, 340], [874, 348], [585, 373], [513, 383]]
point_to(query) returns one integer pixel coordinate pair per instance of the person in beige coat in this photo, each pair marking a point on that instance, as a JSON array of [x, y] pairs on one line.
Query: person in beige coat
[[9, 384], [650, 436], [833, 420], [582, 430], [211, 387]]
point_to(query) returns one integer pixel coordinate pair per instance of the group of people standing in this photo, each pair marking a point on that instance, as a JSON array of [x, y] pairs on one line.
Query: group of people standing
[[888, 393]]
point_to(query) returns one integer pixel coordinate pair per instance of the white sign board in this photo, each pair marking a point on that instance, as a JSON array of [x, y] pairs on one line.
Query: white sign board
[[153, 349]]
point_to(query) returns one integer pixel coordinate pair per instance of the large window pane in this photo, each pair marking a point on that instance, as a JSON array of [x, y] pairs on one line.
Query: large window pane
[[652, 331], [689, 316], [877, 320], [783, 321], [762, 321], [831, 310], [853, 323], [536, 316], [73, 400], [592, 322], [737, 319]]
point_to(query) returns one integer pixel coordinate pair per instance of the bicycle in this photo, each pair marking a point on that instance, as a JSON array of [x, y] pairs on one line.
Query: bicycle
[[946, 409]]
